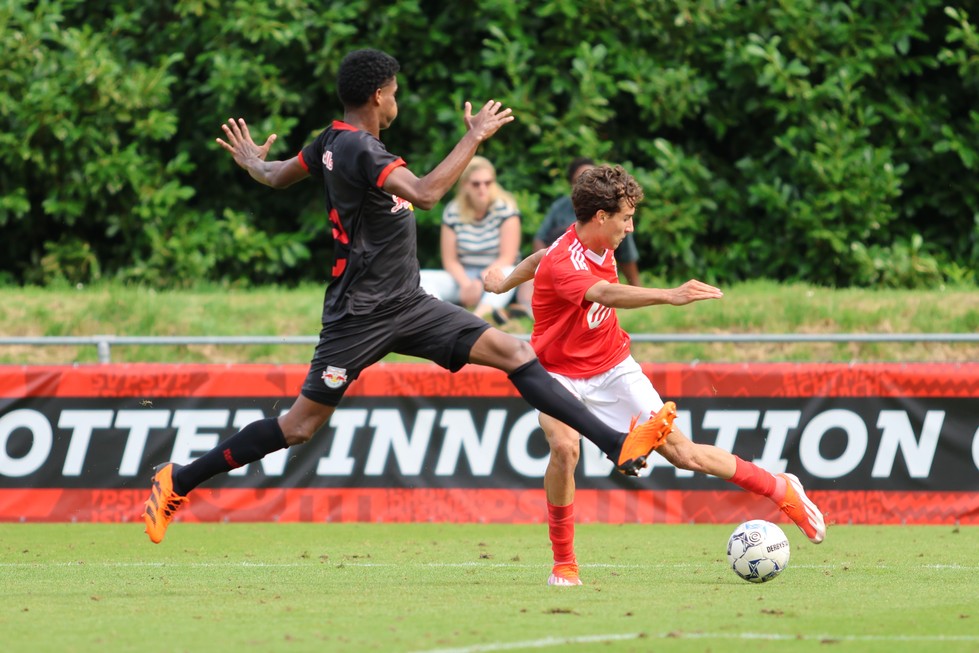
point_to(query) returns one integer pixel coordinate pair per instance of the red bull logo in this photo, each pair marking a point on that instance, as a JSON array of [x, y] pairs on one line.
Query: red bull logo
[[400, 204], [334, 377]]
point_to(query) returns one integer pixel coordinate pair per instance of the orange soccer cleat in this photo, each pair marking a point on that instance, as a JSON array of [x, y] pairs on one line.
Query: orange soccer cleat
[[564, 574], [802, 510], [643, 439], [163, 502]]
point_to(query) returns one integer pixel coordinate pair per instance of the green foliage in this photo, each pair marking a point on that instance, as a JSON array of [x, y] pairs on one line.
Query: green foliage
[[832, 143]]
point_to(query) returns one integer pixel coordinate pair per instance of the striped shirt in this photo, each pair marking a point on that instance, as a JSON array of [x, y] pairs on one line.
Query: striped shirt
[[478, 243]]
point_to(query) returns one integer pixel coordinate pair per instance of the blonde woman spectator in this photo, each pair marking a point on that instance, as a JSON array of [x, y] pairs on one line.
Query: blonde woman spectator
[[480, 230]]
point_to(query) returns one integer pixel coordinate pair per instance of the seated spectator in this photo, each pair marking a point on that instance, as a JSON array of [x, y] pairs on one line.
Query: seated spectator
[[480, 229]]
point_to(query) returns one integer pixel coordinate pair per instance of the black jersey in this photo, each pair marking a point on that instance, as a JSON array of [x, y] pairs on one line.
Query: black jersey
[[374, 238]]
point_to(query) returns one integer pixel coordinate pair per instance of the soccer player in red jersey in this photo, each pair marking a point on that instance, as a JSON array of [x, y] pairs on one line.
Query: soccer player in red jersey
[[578, 340]]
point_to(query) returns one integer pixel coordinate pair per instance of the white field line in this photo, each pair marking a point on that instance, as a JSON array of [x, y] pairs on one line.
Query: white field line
[[439, 565], [552, 642]]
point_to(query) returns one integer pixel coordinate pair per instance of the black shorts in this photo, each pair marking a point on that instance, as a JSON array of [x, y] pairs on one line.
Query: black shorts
[[421, 326]]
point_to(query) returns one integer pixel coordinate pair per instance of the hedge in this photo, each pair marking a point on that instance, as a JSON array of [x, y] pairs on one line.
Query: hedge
[[828, 142]]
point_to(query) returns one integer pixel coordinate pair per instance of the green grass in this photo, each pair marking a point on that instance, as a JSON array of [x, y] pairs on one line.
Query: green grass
[[755, 307], [469, 588]]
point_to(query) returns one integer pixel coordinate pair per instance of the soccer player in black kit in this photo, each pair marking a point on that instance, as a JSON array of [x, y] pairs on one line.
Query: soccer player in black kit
[[373, 304]]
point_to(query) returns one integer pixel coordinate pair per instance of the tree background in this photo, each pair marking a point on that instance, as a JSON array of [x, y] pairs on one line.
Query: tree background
[[799, 140]]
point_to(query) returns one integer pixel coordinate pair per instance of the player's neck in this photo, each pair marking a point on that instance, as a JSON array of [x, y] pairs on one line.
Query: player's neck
[[590, 238], [363, 120]]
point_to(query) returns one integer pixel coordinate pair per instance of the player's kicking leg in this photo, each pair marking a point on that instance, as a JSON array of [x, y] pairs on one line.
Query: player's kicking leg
[[784, 490]]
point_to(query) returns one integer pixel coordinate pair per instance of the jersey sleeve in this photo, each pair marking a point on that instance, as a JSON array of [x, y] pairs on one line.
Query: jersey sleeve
[[311, 157], [374, 162]]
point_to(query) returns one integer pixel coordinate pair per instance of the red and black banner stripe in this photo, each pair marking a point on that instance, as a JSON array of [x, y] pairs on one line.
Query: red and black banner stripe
[[885, 443]]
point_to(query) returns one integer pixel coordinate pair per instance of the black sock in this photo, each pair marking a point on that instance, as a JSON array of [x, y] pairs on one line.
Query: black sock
[[548, 396], [246, 446]]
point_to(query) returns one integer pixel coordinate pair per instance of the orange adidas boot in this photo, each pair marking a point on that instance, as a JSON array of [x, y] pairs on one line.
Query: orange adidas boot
[[163, 502], [643, 439]]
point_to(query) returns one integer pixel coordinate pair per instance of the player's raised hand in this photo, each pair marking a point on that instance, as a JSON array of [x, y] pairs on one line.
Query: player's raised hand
[[693, 291], [488, 121], [240, 143]]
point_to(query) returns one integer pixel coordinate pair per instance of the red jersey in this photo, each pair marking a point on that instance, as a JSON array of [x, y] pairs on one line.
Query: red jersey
[[573, 336]]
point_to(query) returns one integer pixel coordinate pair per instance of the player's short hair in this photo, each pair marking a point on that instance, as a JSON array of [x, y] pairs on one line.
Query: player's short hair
[[576, 164], [361, 73], [604, 188]]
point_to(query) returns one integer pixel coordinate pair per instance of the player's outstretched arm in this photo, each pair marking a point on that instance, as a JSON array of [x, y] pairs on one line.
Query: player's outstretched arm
[[494, 281], [617, 295], [251, 156], [425, 192]]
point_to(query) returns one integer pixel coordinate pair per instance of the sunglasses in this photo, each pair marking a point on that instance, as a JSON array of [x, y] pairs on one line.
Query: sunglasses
[[477, 184]]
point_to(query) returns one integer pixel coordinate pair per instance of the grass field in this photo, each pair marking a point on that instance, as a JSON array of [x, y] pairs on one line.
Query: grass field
[[469, 588], [755, 307]]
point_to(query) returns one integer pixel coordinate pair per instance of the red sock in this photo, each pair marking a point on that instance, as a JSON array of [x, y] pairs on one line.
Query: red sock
[[753, 478], [560, 528]]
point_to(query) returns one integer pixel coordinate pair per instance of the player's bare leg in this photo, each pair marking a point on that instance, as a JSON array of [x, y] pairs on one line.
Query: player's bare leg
[[559, 487], [683, 453], [304, 420], [784, 489]]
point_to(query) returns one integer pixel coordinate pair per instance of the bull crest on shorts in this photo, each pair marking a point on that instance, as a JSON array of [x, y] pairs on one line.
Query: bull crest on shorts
[[334, 377]]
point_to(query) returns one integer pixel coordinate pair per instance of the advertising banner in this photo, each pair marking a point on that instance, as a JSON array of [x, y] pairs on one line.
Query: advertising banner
[[882, 443]]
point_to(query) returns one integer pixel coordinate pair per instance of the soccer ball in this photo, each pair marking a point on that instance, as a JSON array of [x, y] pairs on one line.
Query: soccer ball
[[758, 551]]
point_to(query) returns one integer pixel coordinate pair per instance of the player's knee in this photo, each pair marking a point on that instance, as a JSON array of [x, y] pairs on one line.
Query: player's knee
[[298, 435], [506, 347], [303, 421], [565, 452], [501, 350], [296, 439], [523, 352]]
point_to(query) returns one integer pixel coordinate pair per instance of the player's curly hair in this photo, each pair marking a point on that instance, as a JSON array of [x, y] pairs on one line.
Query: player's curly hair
[[361, 73], [603, 189]]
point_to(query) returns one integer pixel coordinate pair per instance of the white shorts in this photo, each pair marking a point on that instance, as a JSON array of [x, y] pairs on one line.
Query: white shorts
[[618, 395]]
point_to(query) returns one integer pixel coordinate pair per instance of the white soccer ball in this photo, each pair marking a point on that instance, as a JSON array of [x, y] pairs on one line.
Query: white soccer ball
[[758, 551]]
